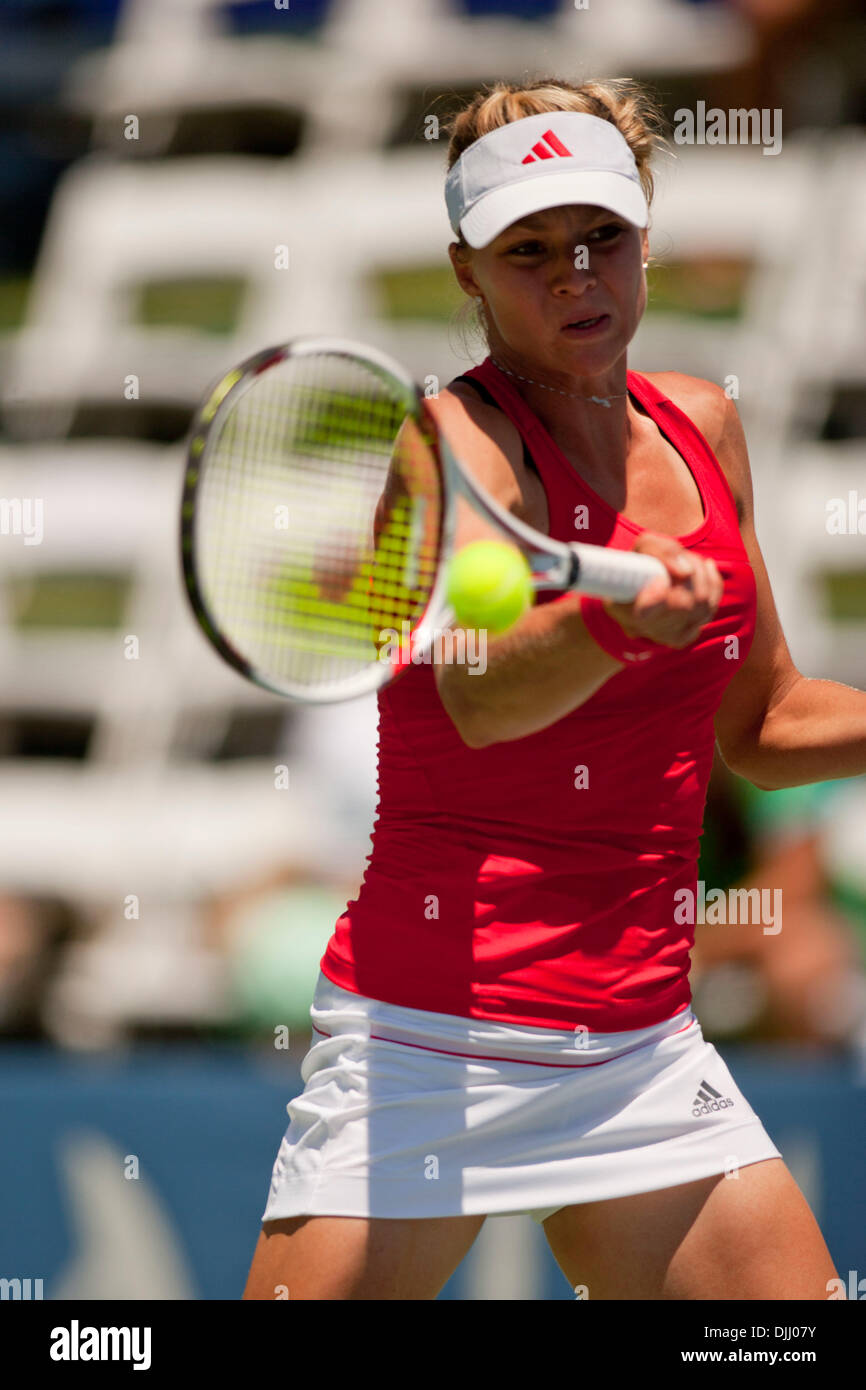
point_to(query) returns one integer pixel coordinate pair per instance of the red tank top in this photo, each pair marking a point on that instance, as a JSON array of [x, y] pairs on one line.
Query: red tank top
[[533, 881]]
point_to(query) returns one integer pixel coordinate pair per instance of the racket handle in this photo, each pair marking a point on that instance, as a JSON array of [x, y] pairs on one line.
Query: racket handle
[[615, 574]]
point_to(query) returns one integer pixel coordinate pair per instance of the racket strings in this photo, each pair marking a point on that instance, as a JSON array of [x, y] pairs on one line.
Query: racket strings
[[318, 520]]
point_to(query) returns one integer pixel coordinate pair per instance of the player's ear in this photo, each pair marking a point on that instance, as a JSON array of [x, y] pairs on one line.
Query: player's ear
[[463, 269]]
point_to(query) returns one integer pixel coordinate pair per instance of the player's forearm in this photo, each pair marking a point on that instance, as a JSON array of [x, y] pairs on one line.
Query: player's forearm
[[815, 732], [546, 666]]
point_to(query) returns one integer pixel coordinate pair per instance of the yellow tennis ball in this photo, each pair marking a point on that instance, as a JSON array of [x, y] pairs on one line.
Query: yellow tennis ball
[[489, 585]]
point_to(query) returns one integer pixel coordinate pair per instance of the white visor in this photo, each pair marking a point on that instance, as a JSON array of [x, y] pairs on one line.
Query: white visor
[[539, 162]]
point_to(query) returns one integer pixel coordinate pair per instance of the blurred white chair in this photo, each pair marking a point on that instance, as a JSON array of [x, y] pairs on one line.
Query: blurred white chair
[[95, 834], [654, 36], [806, 551], [129, 819], [110, 509], [439, 42], [167, 68], [115, 227], [735, 203], [111, 229], [823, 323]]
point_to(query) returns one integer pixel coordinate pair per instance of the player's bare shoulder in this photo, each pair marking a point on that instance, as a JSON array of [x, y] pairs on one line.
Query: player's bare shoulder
[[713, 411], [486, 442], [703, 401]]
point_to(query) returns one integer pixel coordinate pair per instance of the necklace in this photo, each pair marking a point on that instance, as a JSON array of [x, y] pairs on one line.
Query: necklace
[[576, 396]]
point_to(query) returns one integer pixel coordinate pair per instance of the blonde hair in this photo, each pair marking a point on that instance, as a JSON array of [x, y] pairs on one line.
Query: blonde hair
[[625, 103]]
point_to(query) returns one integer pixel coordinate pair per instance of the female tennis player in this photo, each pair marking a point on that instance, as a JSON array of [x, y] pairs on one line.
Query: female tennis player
[[502, 1022]]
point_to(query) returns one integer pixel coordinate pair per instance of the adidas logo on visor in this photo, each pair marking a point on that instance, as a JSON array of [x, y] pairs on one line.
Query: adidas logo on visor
[[548, 147]]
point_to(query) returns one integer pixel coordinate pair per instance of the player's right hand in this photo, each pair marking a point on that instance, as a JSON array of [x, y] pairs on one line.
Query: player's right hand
[[671, 613]]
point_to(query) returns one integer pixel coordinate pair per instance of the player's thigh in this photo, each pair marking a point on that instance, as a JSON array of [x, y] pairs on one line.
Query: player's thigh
[[752, 1236], [349, 1257]]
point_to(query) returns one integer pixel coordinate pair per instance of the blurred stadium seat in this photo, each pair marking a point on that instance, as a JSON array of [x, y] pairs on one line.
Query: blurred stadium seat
[[116, 228], [745, 224]]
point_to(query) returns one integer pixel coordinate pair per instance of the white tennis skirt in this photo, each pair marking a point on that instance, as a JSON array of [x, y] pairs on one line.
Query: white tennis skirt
[[407, 1113]]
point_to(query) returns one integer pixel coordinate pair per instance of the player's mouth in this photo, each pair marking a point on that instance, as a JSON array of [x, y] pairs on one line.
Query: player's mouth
[[582, 328]]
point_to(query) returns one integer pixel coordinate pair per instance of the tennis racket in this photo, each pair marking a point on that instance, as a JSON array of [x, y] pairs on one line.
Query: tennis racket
[[319, 514]]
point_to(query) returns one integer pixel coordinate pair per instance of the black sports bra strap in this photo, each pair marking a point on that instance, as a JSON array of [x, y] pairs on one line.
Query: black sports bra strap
[[480, 388]]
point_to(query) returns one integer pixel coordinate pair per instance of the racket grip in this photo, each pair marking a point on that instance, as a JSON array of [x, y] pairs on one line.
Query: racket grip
[[614, 574]]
